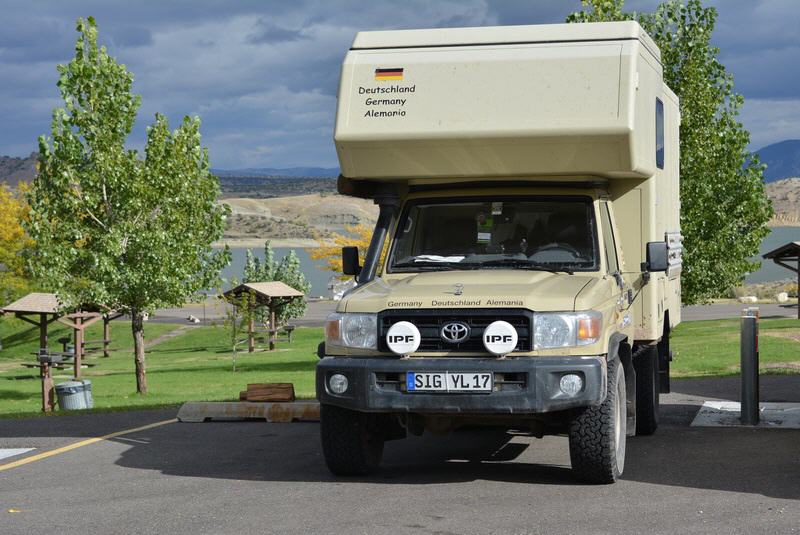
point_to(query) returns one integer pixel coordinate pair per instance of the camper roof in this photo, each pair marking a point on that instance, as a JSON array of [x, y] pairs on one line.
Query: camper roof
[[499, 35]]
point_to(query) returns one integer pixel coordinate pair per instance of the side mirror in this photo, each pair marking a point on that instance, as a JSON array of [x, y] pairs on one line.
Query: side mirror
[[350, 264], [657, 257]]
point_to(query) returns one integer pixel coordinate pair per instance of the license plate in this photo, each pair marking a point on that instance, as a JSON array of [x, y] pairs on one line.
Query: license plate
[[449, 382]]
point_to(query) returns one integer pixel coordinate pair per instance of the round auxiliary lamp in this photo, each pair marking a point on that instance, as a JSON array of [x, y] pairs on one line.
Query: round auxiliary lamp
[[403, 338], [500, 338]]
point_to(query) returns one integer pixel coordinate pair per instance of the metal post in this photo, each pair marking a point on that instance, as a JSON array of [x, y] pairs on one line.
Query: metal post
[[78, 347], [106, 334], [749, 367]]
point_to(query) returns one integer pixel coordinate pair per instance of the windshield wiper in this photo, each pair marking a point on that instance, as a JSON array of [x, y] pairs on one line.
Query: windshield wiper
[[432, 265], [526, 264]]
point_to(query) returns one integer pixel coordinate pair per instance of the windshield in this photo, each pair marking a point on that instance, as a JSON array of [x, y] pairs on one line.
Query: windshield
[[554, 234]]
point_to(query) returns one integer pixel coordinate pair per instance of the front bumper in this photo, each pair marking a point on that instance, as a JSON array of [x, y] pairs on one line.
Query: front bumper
[[524, 385]]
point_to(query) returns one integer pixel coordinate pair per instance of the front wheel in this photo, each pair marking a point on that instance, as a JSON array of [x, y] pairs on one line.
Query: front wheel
[[597, 435], [352, 442]]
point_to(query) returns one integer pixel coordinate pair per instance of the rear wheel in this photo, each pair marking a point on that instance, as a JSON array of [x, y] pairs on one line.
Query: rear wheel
[[352, 442], [645, 362], [597, 435]]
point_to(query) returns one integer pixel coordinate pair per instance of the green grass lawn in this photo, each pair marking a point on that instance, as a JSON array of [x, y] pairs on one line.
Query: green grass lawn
[[711, 348], [198, 365]]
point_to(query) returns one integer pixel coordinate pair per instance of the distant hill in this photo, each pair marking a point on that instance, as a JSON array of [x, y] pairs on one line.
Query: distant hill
[[275, 186], [14, 170], [271, 172], [785, 195], [782, 159]]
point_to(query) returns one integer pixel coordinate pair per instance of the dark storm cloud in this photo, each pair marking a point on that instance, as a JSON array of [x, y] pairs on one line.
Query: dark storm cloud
[[268, 32], [263, 75]]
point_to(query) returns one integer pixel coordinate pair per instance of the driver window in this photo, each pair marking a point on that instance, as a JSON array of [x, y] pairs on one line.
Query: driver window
[[608, 239]]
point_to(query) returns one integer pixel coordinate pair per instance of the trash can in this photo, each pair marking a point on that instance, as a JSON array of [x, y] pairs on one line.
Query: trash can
[[75, 395]]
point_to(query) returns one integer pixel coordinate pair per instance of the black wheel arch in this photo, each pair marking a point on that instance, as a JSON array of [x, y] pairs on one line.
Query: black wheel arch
[[619, 347], [664, 356]]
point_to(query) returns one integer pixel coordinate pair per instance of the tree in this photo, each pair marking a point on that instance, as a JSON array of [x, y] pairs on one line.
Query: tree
[[287, 271], [111, 228], [13, 242], [724, 207], [357, 236], [240, 311]]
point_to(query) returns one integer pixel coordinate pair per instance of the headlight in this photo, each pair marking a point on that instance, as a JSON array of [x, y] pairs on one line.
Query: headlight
[[567, 329], [358, 331]]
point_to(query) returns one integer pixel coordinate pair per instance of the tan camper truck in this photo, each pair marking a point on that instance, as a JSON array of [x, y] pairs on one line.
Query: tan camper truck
[[525, 267]]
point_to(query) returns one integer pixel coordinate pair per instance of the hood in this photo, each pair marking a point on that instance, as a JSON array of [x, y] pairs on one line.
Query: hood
[[501, 288]]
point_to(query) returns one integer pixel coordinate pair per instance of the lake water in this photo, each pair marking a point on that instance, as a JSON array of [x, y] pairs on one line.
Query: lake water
[[770, 271], [318, 277]]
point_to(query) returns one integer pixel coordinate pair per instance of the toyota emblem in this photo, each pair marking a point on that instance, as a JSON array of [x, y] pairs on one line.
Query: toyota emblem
[[454, 332]]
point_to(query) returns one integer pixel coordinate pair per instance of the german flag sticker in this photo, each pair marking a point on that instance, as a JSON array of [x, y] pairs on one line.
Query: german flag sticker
[[389, 74]]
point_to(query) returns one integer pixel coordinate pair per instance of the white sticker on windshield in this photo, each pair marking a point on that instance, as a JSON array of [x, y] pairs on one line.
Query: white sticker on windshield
[[497, 208]]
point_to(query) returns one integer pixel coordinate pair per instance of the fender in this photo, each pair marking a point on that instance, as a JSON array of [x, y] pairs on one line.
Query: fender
[[619, 348]]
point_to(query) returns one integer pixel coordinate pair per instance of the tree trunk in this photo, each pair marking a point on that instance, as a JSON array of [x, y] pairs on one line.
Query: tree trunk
[[137, 327]]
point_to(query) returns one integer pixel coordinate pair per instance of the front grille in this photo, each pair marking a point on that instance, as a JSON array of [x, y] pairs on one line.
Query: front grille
[[430, 321]]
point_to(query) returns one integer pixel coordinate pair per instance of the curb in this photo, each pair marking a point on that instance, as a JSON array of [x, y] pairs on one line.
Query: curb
[[233, 411]]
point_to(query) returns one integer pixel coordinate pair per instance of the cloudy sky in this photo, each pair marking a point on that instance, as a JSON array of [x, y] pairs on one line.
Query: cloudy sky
[[262, 75]]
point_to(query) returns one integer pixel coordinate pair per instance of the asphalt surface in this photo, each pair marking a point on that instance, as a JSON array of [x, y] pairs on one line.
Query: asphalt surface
[[253, 477], [734, 310]]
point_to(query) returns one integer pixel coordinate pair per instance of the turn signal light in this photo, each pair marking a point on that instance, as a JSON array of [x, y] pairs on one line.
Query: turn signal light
[[589, 328], [332, 330]]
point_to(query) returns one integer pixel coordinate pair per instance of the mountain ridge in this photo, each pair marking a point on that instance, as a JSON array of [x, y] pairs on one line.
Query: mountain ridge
[[782, 159], [14, 170], [276, 172]]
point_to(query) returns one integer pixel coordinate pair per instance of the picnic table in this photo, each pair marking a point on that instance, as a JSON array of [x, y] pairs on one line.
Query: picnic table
[[287, 330]]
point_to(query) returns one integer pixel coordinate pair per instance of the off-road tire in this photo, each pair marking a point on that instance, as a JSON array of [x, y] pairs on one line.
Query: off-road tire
[[648, 391], [352, 442], [597, 434]]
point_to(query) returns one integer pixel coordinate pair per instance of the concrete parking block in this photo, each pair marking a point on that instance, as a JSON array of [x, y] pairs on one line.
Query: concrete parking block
[[201, 411], [726, 414]]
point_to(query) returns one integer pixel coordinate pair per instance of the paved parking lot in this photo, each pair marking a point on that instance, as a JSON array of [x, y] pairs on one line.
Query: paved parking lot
[[253, 477]]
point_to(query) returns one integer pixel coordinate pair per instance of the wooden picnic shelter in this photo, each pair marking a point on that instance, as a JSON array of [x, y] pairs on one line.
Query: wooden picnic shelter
[[264, 294], [784, 256], [42, 309], [38, 309]]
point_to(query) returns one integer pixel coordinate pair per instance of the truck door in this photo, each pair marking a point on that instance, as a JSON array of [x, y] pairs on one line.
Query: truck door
[[613, 261]]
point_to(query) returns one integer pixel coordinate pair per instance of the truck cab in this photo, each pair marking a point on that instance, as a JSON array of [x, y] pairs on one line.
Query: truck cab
[[525, 267]]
